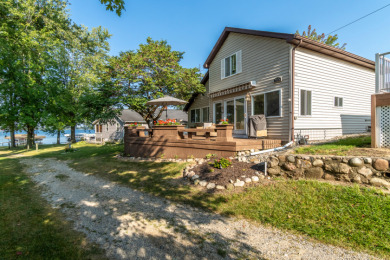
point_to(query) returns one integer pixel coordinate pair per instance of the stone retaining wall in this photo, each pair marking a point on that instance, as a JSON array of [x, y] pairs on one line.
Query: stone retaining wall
[[371, 171]]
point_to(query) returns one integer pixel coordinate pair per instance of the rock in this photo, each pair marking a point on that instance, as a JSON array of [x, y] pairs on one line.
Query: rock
[[274, 171], [261, 177], [368, 160], [329, 177], [272, 162], [196, 182], [380, 182], [355, 162], [203, 183], [194, 177], [282, 158], [210, 186], [357, 179], [314, 173], [344, 168], [345, 160], [239, 184], [257, 173], [231, 181], [255, 178], [252, 150], [190, 174], [289, 166], [248, 180], [381, 165], [220, 187], [305, 164], [229, 186], [366, 172], [318, 163], [290, 159]]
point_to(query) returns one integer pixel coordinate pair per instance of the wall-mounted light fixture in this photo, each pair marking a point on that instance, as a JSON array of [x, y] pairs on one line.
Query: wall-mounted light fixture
[[248, 97], [278, 79]]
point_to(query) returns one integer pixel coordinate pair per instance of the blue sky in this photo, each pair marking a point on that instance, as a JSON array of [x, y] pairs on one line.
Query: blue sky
[[194, 26]]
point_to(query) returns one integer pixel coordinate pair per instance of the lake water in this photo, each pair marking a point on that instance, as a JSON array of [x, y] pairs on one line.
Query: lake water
[[50, 139]]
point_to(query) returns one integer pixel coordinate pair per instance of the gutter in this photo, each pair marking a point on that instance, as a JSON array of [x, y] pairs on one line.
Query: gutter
[[292, 91]]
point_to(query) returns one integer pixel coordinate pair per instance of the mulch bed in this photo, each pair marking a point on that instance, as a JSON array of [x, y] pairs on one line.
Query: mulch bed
[[238, 170]]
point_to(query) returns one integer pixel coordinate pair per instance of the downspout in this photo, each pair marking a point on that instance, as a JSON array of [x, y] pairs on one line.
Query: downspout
[[292, 89]]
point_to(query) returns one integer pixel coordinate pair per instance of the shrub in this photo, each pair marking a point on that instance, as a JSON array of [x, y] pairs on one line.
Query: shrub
[[210, 155], [222, 163]]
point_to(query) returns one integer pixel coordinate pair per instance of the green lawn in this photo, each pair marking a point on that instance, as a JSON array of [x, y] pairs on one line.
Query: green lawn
[[348, 216], [340, 147], [29, 227]]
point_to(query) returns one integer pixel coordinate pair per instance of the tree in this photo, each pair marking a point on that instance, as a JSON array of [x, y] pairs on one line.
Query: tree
[[114, 5], [32, 30], [151, 72], [331, 40]]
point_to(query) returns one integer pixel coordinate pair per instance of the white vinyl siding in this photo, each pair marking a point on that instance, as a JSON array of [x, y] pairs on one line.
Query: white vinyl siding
[[263, 59], [201, 101], [328, 77]]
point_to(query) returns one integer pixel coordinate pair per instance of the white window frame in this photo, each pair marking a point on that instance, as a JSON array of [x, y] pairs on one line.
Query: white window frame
[[338, 97], [265, 103], [238, 64], [195, 115], [222, 106], [201, 114], [300, 101]]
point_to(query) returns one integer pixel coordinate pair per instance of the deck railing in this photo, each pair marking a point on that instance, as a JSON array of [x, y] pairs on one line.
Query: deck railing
[[382, 73]]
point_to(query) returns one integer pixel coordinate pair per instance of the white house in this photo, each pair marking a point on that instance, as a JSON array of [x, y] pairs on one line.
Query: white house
[[302, 86]]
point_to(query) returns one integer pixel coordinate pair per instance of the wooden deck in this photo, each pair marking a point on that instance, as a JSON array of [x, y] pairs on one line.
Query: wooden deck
[[170, 143]]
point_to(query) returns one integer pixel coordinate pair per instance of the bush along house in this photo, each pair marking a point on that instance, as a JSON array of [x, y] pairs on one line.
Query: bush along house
[[303, 87]]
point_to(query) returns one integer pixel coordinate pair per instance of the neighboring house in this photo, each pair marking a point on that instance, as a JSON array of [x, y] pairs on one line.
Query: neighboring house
[[114, 130], [302, 86]]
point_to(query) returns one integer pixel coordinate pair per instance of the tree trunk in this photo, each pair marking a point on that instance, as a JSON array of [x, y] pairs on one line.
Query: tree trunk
[[30, 137], [58, 136], [73, 134], [12, 134]]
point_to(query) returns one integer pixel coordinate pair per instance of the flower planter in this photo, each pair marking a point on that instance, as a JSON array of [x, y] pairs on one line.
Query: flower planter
[[224, 132], [167, 131]]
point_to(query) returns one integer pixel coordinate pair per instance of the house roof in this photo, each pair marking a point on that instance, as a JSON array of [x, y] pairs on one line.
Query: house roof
[[195, 95], [128, 115], [293, 39]]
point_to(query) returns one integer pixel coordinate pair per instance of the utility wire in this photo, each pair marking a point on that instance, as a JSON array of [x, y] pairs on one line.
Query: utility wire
[[383, 7]]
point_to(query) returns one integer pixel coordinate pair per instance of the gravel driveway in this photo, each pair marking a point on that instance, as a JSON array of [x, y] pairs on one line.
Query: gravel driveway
[[130, 224]]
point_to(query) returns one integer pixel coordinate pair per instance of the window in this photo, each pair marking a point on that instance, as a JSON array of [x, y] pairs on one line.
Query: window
[[305, 102], [267, 104], [98, 128], [217, 112], [338, 101], [231, 65], [205, 114], [195, 115]]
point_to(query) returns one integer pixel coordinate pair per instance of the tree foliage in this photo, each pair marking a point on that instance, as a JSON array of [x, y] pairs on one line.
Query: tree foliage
[[116, 6], [330, 40], [151, 72], [49, 67]]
